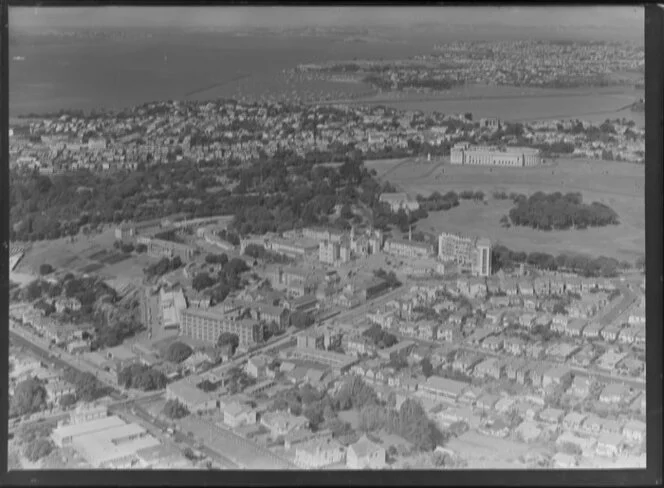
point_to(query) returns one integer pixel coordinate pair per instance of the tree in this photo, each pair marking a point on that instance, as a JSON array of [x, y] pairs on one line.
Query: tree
[[173, 409], [301, 320], [67, 400], [29, 396], [202, 281], [427, 367], [141, 248], [178, 352], [127, 248], [229, 338], [216, 259], [141, 377], [45, 269], [38, 449]]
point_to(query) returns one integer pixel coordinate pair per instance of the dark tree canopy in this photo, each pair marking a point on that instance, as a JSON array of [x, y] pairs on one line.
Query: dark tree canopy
[[178, 352]]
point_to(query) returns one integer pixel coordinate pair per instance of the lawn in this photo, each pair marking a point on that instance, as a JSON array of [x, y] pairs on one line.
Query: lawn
[[619, 185]]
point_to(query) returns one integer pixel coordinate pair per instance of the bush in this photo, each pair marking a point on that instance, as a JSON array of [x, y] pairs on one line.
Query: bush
[[67, 400], [45, 269], [141, 248], [173, 409], [38, 449], [29, 396], [178, 352]]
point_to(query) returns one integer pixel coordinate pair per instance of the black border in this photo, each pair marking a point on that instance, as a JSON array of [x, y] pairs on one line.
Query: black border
[[652, 475]]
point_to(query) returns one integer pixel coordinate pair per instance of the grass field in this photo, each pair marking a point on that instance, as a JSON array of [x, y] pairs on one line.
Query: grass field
[[619, 185]]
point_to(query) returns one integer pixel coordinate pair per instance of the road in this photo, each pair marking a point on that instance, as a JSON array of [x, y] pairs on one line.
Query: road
[[627, 300]]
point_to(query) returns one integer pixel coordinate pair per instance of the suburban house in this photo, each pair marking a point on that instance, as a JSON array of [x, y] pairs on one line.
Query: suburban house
[[237, 414], [609, 445], [573, 420], [634, 431], [317, 453], [615, 393], [365, 454], [282, 423]]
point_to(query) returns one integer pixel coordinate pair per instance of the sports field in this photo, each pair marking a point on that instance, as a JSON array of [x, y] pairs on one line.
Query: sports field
[[619, 185]]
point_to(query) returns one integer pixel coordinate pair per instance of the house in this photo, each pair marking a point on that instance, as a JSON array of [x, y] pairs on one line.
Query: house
[[487, 402], [318, 453], [282, 423], [583, 443], [581, 386], [523, 372], [573, 420], [514, 345], [556, 376], [58, 389], [534, 350], [449, 333], [609, 445], [615, 393], [237, 414], [466, 362], [563, 461], [610, 333], [593, 330], [491, 367], [584, 357], [504, 405], [186, 392], [530, 303], [559, 323], [526, 288], [257, 366], [365, 454], [512, 367], [470, 395], [528, 431], [492, 343], [575, 327], [437, 387], [495, 428], [552, 415], [634, 431]]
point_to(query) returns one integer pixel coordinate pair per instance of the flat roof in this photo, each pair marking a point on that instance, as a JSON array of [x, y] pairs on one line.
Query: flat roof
[[88, 427], [444, 384], [99, 450]]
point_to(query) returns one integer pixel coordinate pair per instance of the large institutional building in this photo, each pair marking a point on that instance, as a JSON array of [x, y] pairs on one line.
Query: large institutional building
[[466, 251], [464, 153], [207, 326]]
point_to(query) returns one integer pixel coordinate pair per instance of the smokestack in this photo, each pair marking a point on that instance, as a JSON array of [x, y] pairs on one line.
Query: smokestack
[[410, 233]]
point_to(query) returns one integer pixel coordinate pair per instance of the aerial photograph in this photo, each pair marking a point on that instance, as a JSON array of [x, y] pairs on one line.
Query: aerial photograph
[[327, 238]]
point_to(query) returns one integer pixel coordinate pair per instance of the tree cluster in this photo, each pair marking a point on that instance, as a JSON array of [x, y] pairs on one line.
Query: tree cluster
[[301, 320], [228, 338], [29, 397], [178, 352], [141, 377], [557, 211], [163, 266], [436, 201], [381, 338], [88, 387], [602, 266], [409, 422], [173, 409]]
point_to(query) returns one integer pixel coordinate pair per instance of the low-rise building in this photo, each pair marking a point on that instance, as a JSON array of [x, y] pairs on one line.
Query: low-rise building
[[365, 454], [318, 453]]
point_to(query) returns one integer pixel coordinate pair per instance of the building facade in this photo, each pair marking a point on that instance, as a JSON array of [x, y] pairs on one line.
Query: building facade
[[464, 153], [207, 325]]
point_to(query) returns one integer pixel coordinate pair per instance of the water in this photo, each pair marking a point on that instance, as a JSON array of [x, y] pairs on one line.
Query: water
[[113, 74]]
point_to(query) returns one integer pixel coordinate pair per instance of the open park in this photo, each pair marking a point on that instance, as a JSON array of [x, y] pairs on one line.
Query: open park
[[617, 184]]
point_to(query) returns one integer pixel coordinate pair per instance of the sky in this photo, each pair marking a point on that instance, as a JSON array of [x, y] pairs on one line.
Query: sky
[[609, 17]]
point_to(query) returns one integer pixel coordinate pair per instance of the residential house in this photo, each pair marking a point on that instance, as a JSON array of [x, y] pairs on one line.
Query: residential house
[[560, 460], [610, 333], [319, 452], [534, 350], [581, 386], [449, 333], [585, 356], [465, 363], [487, 402], [437, 387], [615, 393], [257, 366], [575, 327], [552, 415], [559, 323], [593, 330], [237, 414], [634, 431], [490, 367], [492, 343], [556, 376], [514, 345], [186, 393], [528, 431], [280, 423], [609, 445], [57, 389], [512, 367], [573, 421], [365, 454], [495, 428]]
